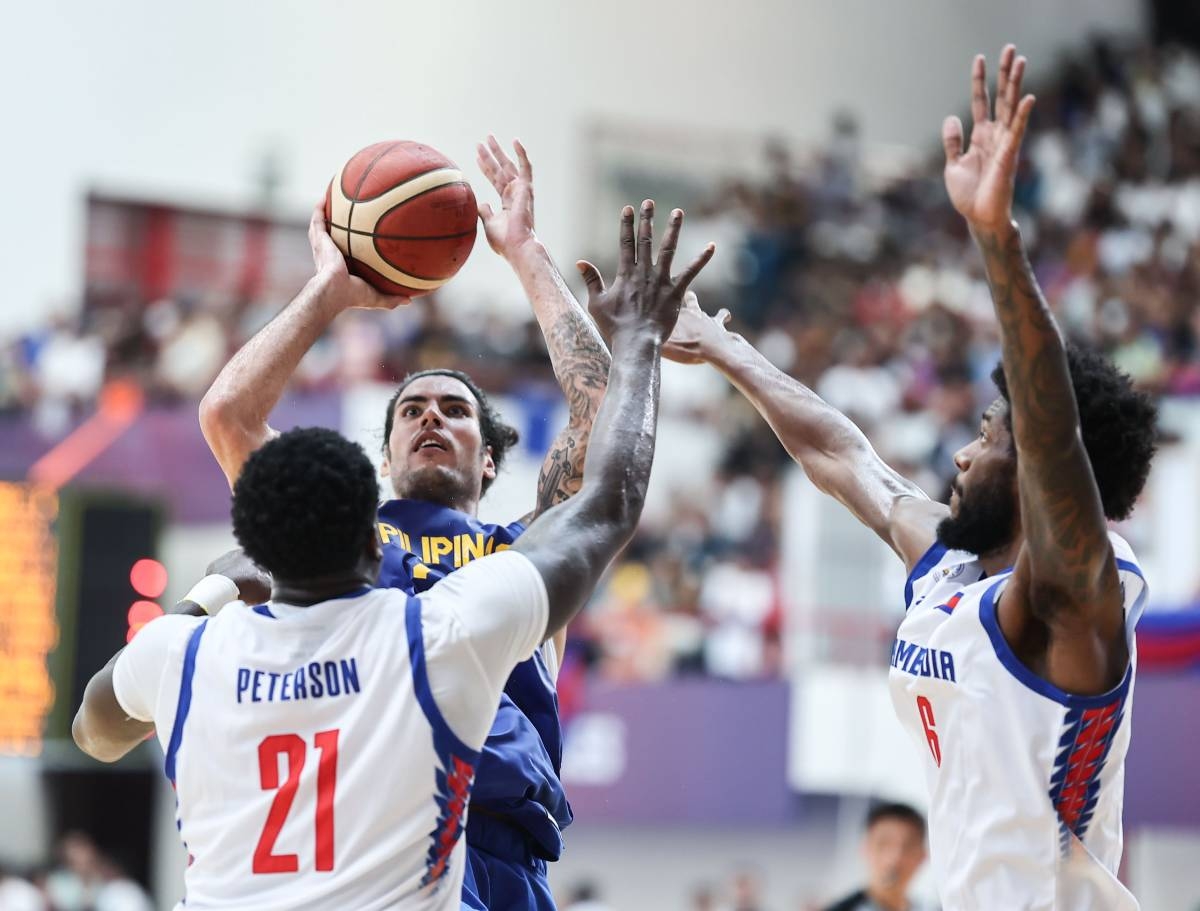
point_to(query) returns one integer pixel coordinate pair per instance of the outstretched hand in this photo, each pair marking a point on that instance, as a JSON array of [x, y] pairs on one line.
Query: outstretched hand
[[511, 228], [980, 180], [644, 292], [345, 289], [696, 333]]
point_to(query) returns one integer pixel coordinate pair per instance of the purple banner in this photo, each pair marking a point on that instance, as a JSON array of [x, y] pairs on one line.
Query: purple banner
[[687, 751], [163, 454]]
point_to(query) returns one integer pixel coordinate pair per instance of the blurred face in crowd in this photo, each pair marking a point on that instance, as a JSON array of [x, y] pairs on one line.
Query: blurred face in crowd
[[894, 850], [436, 451], [983, 503]]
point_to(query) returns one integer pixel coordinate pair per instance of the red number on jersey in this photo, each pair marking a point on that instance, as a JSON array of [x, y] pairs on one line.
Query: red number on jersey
[[291, 746], [926, 711]]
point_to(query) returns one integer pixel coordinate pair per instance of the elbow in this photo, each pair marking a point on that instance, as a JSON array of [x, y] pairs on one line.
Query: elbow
[[89, 743], [216, 413]]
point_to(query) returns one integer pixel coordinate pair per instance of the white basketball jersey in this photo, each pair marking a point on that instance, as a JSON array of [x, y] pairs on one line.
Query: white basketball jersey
[[312, 764], [1026, 782]]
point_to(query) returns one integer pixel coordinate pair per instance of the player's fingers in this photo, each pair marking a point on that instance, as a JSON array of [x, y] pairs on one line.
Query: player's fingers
[[690, 273], [645, 236], [952, 138], [506, 166], [627, 258], [485, 211], [670, 241], [526, 167], [979, 92], [491, 170], [1020, 122], [1014, 89], [1003, 100], [591, 277], [690, 301], [723, 316]]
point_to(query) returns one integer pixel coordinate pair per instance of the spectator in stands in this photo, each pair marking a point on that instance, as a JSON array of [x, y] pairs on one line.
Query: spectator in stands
[[894, 850]]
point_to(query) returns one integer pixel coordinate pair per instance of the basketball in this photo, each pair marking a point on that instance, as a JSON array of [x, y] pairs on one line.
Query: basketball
[[403, 215]]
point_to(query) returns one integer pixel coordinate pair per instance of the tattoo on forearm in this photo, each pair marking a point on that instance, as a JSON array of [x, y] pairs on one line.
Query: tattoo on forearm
[[1061, 512], [581, 364]]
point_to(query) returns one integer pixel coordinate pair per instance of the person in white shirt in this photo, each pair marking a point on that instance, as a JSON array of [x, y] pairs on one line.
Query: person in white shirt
[[323, 745], [1013, 667]]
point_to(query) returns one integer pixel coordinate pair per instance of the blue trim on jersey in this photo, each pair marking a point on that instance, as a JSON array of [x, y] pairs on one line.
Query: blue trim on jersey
[[185, 699], [458, 762], [987, 616], [928, 561], [416, 654], [263, 611], [1130, 567]]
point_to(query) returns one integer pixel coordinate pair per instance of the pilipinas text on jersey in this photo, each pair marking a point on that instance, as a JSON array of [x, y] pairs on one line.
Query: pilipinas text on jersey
[[1026, 782], [518, 774]]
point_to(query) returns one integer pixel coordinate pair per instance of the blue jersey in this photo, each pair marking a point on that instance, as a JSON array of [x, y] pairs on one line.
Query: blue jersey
[[517, 777]]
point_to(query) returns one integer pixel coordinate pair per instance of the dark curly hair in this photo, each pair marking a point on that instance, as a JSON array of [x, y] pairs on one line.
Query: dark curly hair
[[495, 433], [1119, 426], [304, 504]]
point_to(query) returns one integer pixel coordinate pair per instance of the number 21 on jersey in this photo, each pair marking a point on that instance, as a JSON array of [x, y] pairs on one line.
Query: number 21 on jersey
[[291, 748]]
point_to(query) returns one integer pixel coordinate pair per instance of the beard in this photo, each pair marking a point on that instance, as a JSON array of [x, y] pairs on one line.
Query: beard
[[434, 484], [987, 518]]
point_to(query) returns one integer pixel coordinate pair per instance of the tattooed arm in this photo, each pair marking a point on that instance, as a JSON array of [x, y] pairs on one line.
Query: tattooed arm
[[577, 354], [1063, 609]]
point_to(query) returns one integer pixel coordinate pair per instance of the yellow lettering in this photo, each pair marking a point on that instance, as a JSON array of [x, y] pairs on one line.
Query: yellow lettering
[[387, 532], [438, 548], [491, 542], [458, 551], [472, 547], [405, 542], [500, 547], [425, 549]]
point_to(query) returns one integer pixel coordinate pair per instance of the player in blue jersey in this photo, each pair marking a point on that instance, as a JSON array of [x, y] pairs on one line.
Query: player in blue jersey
[[442, 448]]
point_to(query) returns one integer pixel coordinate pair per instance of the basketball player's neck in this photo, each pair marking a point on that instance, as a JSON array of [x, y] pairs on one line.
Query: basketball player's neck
[[1003, 558], [306, 592]]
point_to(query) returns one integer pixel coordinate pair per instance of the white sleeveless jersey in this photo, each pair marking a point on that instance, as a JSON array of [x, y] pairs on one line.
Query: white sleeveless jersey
[[1026, 782], [312, 762]]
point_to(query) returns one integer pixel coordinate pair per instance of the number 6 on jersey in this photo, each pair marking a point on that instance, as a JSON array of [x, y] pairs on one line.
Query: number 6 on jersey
[[291, 748]]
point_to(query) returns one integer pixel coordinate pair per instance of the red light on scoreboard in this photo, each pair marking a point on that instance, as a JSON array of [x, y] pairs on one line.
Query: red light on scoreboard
[[148, 578], [141, 613]]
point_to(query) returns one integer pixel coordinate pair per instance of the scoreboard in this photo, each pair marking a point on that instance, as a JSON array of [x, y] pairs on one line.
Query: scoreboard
[[28, 625], [78, 577]]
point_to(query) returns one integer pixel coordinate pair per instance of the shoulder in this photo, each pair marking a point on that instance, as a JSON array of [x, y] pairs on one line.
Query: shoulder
[[165, 632], [912, 526]]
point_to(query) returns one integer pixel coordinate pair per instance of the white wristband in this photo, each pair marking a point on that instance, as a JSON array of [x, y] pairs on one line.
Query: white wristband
[[212, 593]]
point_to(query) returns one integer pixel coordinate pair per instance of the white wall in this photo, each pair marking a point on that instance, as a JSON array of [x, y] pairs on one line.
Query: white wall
[[183, 99]]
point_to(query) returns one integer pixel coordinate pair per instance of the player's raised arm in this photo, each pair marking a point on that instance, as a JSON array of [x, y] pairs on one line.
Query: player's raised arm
[[577, 353], [834, 453], [573, 543], [1066, 570], [234, 411]]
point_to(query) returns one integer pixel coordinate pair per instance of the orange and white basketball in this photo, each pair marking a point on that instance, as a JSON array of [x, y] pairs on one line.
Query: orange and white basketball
[[403, 215]]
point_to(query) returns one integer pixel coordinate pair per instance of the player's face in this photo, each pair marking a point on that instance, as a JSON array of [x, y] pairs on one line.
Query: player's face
[[983, 502], [894, 850], [436, 451]]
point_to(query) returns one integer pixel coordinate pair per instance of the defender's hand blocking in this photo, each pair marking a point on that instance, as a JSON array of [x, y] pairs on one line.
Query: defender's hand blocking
[[510, 229], [696, 333], [980, 180], [345, 290], [644, 293]]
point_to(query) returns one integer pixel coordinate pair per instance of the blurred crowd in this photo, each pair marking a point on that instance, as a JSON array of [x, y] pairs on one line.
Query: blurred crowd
[[83, 879], [866, 288]]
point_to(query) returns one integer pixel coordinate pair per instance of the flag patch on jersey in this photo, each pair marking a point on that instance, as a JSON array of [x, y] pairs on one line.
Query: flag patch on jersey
[[1083, 748], [949, 606]]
